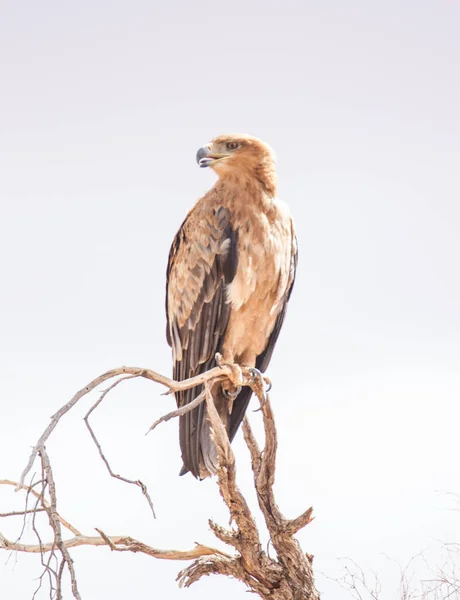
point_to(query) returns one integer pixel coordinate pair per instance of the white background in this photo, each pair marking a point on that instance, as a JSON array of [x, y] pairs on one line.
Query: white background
[[102, 108]]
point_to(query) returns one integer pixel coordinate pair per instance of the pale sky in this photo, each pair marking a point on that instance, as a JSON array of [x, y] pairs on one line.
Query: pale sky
[[102, 108]]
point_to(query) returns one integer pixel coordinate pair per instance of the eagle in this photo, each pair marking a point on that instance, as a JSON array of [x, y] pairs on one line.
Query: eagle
[[230, 274]]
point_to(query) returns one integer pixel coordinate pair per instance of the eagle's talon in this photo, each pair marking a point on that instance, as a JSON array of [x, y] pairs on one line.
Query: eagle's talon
[[259, 380], [258, 375], [255, 374], [231, 394]]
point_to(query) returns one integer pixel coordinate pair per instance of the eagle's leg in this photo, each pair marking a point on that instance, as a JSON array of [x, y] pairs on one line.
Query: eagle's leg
[[235, 378], [230, 387], [230, 393]]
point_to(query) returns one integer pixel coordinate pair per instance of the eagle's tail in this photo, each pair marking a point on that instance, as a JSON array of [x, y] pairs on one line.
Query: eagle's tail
[[199, 451]]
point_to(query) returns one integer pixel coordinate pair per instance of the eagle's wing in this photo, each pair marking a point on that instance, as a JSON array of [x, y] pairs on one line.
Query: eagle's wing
[[202, 263], [241, 403]]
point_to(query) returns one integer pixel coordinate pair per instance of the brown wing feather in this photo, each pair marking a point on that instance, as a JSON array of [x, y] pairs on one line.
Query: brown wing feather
[[241, 403], [202, 263]]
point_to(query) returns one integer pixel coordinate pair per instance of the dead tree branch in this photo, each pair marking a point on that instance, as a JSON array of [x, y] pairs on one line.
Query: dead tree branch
[[289, 576], [137, 482], [119, 543]]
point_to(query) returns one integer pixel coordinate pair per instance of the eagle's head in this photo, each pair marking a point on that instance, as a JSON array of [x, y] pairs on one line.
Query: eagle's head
[[240, 156]]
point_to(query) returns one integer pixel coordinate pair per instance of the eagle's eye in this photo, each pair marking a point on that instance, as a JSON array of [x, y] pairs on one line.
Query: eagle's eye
[[232, 145]]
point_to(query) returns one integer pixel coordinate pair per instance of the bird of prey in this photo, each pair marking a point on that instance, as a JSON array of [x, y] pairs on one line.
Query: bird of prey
[[230, 274]]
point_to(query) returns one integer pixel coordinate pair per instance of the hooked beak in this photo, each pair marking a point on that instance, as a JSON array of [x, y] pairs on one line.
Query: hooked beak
[[205, 158]]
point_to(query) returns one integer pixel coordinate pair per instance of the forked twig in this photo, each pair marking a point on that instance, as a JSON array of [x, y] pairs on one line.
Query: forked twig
[[137, 482], [183, 410]]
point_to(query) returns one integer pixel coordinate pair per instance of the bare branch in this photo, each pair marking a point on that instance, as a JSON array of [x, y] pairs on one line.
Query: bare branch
[[137, 482], [115, 542], [43, 501], [56, 527], [16, 513], [292, 527], [183, 410]]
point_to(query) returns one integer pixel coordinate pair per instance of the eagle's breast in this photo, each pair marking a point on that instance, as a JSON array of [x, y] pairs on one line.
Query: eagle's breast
[[261, 282]]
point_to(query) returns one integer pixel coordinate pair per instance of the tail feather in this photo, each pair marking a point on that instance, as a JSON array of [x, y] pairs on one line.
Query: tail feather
[[199, 451]]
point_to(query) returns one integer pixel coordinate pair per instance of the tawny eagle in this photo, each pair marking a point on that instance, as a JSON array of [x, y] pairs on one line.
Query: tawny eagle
[[230, 273]]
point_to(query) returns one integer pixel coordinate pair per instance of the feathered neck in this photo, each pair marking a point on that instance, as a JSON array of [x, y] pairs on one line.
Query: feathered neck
[[260, 177]]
